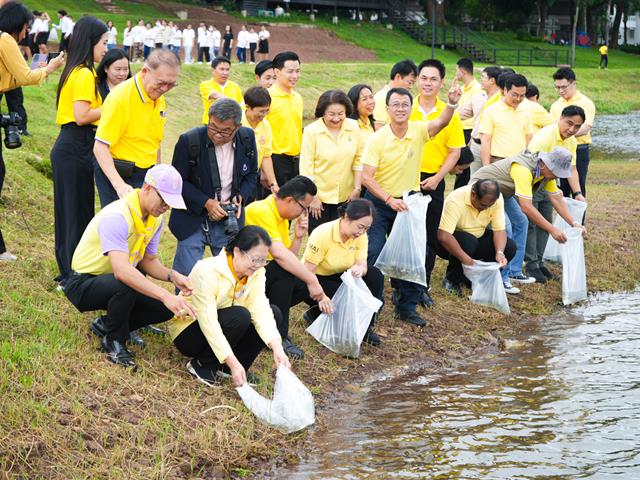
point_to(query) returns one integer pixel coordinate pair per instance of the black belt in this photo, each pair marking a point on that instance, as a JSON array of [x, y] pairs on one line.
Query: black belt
[[477, 140], [75, 126]]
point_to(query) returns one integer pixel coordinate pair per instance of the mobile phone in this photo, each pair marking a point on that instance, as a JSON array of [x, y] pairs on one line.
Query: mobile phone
[[52, 55]]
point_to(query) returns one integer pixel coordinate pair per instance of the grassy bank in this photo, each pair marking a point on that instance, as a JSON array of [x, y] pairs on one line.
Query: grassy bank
[[68, 413]]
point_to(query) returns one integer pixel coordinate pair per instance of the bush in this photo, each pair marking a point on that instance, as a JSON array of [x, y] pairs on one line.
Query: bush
[[635, 49]]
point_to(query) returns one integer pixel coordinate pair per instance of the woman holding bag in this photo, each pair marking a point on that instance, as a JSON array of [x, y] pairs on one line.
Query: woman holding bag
[[338, 246]]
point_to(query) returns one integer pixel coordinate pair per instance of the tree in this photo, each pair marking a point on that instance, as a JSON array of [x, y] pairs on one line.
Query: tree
[[615, 31], [543, 14]]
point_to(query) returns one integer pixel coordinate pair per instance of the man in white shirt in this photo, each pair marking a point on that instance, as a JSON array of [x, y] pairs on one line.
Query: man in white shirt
[[242, 45], [253, 44], [202, 40], [138, 32], [188, 36]]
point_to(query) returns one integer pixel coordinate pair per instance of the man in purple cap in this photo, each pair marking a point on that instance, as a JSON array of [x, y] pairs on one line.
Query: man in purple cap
[[114, 257]]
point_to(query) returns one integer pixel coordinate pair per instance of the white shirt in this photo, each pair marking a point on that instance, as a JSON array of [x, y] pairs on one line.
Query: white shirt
[[149, 37], [243, 40], [224, 158], [111, 35], [202, 32], [158, 32], [176, 38], [36, 26], [66, 25], [216, 38], [128, 37], [187, 37], [138, 33], [253, 37], [263, 34]]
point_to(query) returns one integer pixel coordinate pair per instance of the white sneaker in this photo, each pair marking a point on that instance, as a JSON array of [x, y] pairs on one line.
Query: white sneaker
[[8, 257], [510, 289], [522, 278]]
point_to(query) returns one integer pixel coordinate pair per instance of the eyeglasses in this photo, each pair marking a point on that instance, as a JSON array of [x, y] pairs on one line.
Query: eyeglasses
[[515, 96], [400, 106], [221, 132], [257, 262], [164, 204], [304, 209], [562, 87], [362, 228]]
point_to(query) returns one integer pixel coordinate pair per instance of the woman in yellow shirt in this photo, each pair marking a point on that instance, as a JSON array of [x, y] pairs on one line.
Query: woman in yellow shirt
[[79, 106], [330, 156], [234, 320], [361, 97], [338, 246]]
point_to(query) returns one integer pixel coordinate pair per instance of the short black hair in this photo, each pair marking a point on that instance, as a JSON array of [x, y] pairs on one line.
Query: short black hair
[[329, 98], [532, 91], [62, 12], [565, 73], [486, 186], [257, 97], [218, 60], [435, 63], [515, 80], [465, 64], [493, 72], [399, 91], [404, 68], [247, 238], [262, 66], [357, 209], [572, 110], [280, 59], [298, 187], [13, 17]]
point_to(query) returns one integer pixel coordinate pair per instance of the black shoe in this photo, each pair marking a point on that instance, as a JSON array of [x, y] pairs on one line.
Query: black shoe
[[225, 374], [452, 288], [411, 317], [371, 337], [426, 301], [537, 274], [118, 353], [308, 317], [152, 329], [97, 327], [25, 133], [202, 373], [135, 338], [547, 273], [291, 350], [395, 297]]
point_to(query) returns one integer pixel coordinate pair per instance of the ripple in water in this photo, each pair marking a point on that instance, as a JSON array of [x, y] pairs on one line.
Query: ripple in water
[[616, 134]]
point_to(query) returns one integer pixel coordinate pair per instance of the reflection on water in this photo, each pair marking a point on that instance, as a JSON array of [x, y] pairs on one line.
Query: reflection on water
[[616, 134], [566, 404]]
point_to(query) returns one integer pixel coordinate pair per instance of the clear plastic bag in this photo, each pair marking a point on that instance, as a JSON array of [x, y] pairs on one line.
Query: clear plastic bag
[[574, 275], [486, 285], [552, 251], [292, 407], [353, 306], [403, 254]]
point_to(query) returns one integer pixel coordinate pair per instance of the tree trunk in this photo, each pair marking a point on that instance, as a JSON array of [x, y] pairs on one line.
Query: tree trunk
[[440, 20], [543, 14], [607, 21], [626, 19], [613, 40], [573, 33], [583, 19]]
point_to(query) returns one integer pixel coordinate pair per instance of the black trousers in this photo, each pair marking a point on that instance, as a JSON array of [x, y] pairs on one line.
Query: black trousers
[[203, 54], [466, 157], [477, 248], [285, 167], [582, 165], [281, 288], [72, 162], [329, 213], [127, 309], [3, 171], [238, 330], [434, 213], [15, 103], [374, 279], [252, 52]]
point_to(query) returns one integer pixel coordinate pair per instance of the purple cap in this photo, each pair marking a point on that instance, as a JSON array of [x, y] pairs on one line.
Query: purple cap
[[168, 182]]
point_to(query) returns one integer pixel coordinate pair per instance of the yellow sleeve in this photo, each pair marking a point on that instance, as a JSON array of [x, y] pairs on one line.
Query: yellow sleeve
[[486, 122], [523, 180], [357, 160], [551, 187], [113, 119], [541, 118], [539, 142], [316, 250], [498, 223], [263, 218], [451, 213], [204, 301], [589, 112], [205, 91], [380, 110], [267, 149], [371, 154], [573, 148], [261, 314], [424, 131], [84, 86], [362, 247], [456, 134], [236, 94], [17, 66], [308, 153]]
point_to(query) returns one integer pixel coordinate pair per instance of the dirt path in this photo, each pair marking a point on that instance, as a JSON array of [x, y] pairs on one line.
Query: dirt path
[[310, 43]]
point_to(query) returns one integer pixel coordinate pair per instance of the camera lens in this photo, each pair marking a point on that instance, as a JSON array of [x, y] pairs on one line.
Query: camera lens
[[12, 137]]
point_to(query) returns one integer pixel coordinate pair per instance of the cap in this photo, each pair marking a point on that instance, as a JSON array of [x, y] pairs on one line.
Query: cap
[[168, 182], [262, 66], [558, 161]]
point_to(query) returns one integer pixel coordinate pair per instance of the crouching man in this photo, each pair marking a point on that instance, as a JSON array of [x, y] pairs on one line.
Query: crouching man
[[116, 252]]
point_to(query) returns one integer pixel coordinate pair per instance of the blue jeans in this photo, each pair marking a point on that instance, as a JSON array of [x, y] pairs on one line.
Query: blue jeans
[[241, 53], [409, 292], [517, 225]]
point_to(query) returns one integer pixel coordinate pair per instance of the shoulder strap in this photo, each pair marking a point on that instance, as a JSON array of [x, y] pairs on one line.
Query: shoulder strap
[[193, 146], [246, 142]]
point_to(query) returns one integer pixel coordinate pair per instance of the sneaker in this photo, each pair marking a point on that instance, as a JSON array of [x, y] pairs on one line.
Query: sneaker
[[522, 278], [537, 274], [547, 273], [291, 350], [452, 288], [371, 337], [202, 373], [411, 317], [225, 374], [510, 289], [8, 257]]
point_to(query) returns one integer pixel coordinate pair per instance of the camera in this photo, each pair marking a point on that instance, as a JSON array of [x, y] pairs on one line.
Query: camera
[[231, 227], [11, 123]]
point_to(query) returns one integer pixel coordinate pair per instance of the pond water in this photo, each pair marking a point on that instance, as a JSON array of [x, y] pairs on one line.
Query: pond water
[[616, 135], [562, 402]]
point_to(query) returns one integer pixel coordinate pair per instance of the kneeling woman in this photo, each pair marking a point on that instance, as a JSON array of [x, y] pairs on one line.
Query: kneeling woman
[[337, 246], [234, 320]]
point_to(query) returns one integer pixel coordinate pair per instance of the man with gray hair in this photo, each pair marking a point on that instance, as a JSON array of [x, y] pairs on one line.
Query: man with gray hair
[[218, 163]]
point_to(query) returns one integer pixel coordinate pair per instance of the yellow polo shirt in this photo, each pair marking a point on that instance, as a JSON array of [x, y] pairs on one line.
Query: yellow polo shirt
[[264, 213], [330, 162], [285, 118], [366, 128], [326, 250], [582, 101], [469, 91], [548, 138], [230, 89], [380, 110], [524, 181], [508, 129], [397, 161], [603, 50], [435, 151], [132, 124], [459, 214], [540, 118], [263, 137], [80, 86]]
